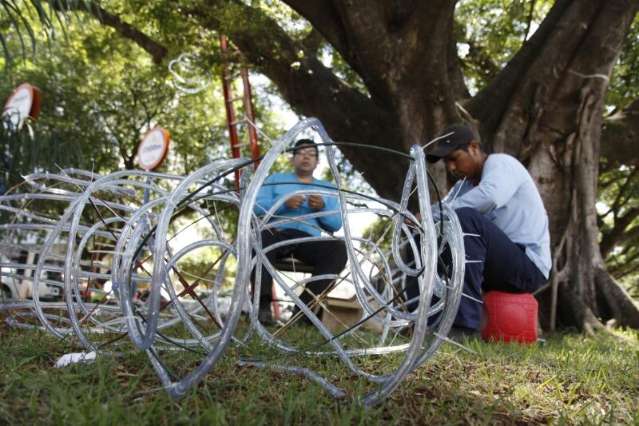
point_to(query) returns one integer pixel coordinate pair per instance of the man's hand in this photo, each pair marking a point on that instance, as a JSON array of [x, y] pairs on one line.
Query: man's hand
[[294, 202], [316, 202]]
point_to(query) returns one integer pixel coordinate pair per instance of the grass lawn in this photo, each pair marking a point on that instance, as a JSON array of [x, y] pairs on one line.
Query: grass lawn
[[569, 379]]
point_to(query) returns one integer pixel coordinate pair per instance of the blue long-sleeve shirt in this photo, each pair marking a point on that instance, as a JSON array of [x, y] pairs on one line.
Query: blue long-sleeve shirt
[[507, 196], [280, 186]]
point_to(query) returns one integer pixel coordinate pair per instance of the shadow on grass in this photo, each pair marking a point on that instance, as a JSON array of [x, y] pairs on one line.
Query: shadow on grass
[[571, 379]]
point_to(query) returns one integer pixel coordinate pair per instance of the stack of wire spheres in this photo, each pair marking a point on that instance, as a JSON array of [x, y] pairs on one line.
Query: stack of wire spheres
[[126, 252]]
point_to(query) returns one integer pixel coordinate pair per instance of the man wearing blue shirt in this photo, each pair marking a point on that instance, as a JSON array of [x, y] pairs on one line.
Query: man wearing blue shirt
[[321, 213], [498, 203]]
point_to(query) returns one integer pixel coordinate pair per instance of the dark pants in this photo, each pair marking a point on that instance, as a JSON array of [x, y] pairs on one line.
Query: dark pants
[[326, 257], [497, 264]]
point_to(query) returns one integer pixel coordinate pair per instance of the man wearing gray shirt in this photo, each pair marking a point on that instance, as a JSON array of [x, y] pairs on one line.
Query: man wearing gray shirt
[[498, 203]]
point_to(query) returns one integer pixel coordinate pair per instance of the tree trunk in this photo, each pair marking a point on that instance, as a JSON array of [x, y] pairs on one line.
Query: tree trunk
[[553, 122]]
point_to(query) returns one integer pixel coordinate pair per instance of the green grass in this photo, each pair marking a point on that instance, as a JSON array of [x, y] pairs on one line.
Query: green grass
[[571, 379]]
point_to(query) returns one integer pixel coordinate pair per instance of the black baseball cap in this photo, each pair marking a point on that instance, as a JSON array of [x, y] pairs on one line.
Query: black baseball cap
[[305, 143], [453, 137]]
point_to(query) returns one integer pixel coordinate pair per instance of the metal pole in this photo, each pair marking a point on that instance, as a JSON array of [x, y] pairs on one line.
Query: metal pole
[[248, 108], [228, 105]]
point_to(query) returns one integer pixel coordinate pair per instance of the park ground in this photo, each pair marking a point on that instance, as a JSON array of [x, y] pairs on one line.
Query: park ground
[[569, 379]]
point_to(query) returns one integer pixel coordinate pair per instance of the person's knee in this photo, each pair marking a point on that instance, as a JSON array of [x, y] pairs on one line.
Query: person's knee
[[467, 213], [341, 256], [319, 286], [469, 218], [333, 259]]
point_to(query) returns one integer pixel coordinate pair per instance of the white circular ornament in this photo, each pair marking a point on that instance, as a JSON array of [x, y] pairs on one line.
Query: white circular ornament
[[24, 102], [153, 148]]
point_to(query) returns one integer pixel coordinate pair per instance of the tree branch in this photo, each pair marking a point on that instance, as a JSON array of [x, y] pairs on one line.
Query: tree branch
[[619, 234], [308, 86], [622, 195], [503, 87], [551, 61], [357, 32], [313, 41], [620, 303], [325, 19], [531, 13], [156, 50], [628, 267]]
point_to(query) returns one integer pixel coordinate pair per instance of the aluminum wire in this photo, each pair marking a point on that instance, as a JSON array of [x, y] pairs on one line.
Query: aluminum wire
[[86, 229]]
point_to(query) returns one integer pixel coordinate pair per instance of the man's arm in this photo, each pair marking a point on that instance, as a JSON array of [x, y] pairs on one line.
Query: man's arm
[[266, 196], [333, 222], [499, 182]]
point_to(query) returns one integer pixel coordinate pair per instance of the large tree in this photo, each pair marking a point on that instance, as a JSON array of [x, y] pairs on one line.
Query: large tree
[[399, 80]]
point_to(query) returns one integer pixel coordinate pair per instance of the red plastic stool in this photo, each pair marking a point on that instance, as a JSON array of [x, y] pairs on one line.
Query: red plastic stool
[[510, 317]]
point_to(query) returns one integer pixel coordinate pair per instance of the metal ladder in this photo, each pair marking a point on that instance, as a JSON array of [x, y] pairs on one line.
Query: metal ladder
[[248, 120]]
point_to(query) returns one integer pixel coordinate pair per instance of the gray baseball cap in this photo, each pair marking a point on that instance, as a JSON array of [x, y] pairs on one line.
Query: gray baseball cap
[[452, 138]]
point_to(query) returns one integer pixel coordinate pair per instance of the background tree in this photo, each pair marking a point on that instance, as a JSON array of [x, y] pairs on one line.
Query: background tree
[[100, 94]]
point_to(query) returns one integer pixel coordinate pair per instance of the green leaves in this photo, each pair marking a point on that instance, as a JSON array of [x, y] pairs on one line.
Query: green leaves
[[624, 84], [24, 18], [490, 32], [101, 93]]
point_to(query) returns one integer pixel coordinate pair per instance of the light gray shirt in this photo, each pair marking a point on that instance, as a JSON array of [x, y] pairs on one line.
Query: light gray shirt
[[507, 196]]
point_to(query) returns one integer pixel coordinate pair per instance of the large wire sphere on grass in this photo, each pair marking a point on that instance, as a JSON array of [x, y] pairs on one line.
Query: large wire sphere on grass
[[383, 304], [201, 198]]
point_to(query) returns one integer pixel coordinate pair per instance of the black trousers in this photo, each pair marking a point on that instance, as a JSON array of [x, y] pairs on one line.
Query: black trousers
[[499, 264], [326, 257]]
